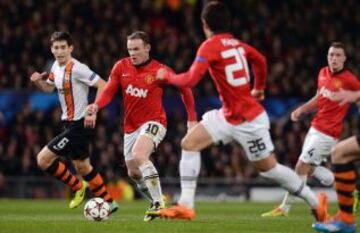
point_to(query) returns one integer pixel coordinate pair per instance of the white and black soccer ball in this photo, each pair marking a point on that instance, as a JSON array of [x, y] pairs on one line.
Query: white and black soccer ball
[[96, 209]]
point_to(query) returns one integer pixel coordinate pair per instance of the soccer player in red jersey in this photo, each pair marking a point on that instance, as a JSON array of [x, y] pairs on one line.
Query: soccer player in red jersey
[[326, 127], [241, 118], [145, 118], [343, 156]]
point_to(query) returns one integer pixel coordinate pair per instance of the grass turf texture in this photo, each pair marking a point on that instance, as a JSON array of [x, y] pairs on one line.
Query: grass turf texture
[[28, 216]]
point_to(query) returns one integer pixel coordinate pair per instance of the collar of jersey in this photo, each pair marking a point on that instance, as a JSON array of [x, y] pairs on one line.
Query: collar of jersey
[[337, 72], [65, 63], [222, 34], [143, 64]]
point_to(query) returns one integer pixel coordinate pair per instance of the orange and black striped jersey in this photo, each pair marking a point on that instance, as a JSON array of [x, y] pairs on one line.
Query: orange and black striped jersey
[[72, 82]]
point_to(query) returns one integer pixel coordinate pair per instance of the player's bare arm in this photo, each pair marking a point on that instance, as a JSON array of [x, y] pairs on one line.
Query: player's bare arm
[[99, 85], [90, 120], [344, 96], [91, 110], [38, 79], [305, 108], [91, 115]]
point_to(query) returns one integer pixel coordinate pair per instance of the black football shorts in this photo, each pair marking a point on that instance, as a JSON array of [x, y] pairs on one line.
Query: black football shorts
[[73, 142]]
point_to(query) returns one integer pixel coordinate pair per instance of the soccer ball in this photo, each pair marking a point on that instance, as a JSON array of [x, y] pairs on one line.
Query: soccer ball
[[96, 209]]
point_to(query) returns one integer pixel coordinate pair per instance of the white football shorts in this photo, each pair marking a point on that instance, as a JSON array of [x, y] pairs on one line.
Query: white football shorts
[[317, 147], [151, 129], [253, 136]]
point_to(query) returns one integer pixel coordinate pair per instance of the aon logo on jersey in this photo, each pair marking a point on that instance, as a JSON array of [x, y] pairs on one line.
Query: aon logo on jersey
[[136, 92], [326, 93]]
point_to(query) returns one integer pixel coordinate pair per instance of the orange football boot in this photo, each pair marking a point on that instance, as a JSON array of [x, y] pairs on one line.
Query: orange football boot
[[321, 212], [178, 212]]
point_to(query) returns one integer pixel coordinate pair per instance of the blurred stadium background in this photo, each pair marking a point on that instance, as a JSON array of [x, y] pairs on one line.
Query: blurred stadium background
[[294, 36]]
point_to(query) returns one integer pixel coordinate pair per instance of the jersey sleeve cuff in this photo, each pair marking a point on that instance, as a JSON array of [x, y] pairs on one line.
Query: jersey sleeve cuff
[[93, 79]]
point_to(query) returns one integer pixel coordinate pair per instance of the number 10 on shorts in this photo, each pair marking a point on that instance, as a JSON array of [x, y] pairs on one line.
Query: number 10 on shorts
[[152, 129]]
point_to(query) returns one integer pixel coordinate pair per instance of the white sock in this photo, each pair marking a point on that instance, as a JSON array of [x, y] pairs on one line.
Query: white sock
[[309, 196], [190, 164], [142, 188], [152, 181], [288, 179], [324, 175], [289, 198]]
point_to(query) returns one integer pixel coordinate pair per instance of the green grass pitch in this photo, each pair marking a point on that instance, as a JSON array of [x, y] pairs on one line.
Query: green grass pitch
[[51, 216]]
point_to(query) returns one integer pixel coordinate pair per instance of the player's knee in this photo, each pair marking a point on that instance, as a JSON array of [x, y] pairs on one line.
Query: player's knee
[[298, 166], [83, 168], [134, 173], [187, 144], [267, 164], [336, 154], [43, 160], [302, 168], [139, 158]]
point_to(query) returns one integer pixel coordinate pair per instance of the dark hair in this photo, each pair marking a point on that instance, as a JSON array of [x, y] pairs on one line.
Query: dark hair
[[339, 45], [58, 36], [139, 35], [217, 16]]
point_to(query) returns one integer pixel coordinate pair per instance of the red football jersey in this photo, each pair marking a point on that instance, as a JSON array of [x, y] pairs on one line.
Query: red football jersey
[[142, 93], [227, 60], [330, 115]]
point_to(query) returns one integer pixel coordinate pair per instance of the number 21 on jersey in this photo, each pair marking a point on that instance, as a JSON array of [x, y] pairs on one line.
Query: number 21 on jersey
[[239, 65]]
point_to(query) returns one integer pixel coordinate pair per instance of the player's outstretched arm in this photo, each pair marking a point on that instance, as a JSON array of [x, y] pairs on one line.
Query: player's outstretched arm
[[186, 79], [344, 96], [162, 74], [305, 108], [195, 72], [106, 94], [38, 80]]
